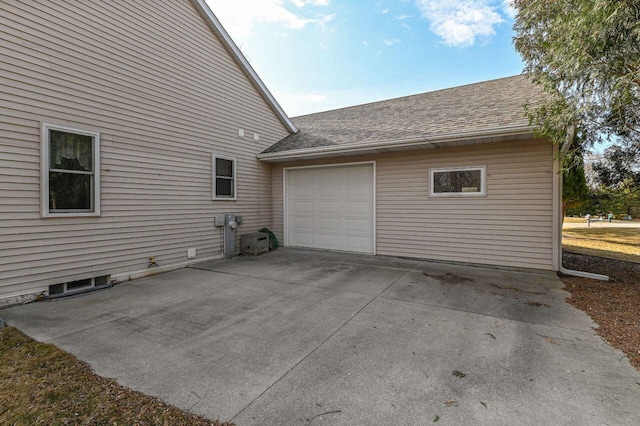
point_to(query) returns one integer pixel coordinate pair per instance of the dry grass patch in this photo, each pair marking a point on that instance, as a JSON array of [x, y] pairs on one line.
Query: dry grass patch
[[568, 219], [616, 243], [40, 384]]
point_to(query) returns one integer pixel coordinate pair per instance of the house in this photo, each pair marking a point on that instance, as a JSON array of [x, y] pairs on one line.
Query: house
[[145, 101], [127, 129]]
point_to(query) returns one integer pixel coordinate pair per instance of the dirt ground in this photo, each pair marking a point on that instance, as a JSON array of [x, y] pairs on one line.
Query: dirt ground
[[614, 305]]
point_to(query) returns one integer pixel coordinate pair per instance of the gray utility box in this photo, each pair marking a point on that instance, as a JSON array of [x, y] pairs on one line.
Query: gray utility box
[[255, 244]]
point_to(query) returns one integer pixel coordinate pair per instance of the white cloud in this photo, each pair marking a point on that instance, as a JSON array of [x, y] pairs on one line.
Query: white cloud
[[239, 17], [509, 9], [303, 3], [402, 17], [391, 42], [460, 22], [384, 12]]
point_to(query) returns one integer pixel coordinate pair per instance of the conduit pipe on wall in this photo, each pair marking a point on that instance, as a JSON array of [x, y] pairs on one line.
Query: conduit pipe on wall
[[571, 132]]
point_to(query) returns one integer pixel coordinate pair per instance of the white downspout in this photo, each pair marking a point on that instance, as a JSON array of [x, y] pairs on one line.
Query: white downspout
[[557, 211]]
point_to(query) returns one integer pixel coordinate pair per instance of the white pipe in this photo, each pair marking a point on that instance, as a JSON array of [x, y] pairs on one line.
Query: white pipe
[[571, 131], [582, 274]]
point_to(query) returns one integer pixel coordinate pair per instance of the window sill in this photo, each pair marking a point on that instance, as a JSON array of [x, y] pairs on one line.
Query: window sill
[[63, 215], [459, 195]]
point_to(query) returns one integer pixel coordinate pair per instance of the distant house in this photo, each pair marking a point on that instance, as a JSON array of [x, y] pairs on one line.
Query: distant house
[[127, 129]]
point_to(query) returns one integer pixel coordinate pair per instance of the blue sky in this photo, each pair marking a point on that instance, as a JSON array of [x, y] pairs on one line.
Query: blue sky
[[316, 55]]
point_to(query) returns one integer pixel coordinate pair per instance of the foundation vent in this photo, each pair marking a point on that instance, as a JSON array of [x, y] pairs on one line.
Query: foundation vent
[[79, 286]]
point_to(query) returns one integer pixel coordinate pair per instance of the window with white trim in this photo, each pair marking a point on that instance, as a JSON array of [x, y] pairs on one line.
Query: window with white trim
[[458, 181], [70, 160], [224, 178]]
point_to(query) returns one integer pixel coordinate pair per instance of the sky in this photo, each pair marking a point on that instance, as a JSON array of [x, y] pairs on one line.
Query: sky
[[317, 55]]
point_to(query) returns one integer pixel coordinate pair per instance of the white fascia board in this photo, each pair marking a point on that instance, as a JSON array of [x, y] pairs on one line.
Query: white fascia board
[[419, 142], [235, 51]]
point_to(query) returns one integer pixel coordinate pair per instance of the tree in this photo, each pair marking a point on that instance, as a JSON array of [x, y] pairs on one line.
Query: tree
[[617, 175], [574, 184], [586, 55], [619, 166]]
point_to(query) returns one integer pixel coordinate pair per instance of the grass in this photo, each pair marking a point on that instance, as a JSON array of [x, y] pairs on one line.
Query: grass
[[614, 243], [40, 384], [575, 220]]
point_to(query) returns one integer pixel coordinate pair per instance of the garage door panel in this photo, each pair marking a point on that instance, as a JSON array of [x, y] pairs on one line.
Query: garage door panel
[[329, 226], [328, 193], [329, 242], [353, 208], [302, 193], [302, 208], [301, 239], [356, 194], [356, 227], [356, 244], [331, 180], [331, 208], [302, 224], [304, 179], [328, 208]]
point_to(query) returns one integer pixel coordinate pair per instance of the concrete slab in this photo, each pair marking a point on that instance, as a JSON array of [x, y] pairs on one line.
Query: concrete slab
[[225, 347], [296, 336], [58, 317], [534, 297], [394, 364], [352, 272]]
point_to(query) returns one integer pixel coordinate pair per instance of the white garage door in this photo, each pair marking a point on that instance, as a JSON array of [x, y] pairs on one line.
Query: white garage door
[[331, 208]]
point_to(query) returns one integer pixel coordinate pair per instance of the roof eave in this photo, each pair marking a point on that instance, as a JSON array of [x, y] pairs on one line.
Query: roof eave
[[500, 134], [217, 27]]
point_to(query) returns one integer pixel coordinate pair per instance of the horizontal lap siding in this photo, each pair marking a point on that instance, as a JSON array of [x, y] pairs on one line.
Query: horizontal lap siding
[[163, 92], [511, 226]]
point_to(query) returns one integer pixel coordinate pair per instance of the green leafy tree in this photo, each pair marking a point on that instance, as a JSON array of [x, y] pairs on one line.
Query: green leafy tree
[[586, 55], [619, 166], [574, 184], [617, 175]]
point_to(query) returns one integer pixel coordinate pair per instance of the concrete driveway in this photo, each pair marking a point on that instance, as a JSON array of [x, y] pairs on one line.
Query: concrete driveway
[[297, 337]]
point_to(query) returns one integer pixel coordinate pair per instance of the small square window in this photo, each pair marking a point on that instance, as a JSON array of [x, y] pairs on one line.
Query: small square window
[[224, 178], [462, 181], [70, 172]]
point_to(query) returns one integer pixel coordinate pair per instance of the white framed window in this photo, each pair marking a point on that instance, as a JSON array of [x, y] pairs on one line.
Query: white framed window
[[458, 182], [224, 177], [70, 171]]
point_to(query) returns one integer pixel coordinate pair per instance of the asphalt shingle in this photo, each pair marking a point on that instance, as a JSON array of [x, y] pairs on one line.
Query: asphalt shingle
[[474, 107]]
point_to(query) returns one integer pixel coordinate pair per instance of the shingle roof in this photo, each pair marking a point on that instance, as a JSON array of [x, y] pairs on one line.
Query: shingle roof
[[474, 107]]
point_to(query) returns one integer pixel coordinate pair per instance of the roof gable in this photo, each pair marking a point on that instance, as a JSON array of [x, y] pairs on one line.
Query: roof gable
[[226, 40]]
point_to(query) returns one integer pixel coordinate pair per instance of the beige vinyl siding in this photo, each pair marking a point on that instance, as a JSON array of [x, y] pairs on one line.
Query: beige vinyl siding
[[153, 79], [511, 226]]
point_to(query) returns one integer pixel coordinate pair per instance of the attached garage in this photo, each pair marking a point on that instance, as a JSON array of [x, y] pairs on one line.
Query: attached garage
[[460, 176], [331, 207]]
